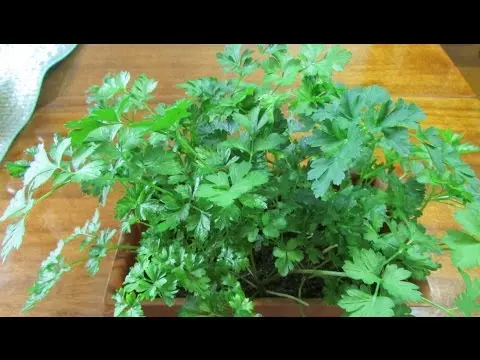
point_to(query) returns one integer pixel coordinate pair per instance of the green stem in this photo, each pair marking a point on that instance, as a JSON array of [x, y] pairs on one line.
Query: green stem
[[286, 296], [373, 172], [377, 289], [254, 268], [321, 272], [144, 223], [318, 267], [438, 306], [250, 283], [397, 253], [123, 247], [198, 209], [77, 262], [299, 295], [43, 197], [329, 248]]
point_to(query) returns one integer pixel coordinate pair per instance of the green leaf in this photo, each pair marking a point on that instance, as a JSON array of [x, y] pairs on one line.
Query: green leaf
[[325, 171], [393, 282], [254, 201], [40, 170], [127, 304], [60, 150], [98, 251], [241, 305], [50, 272], [358, 303], [365, 265], [468, 302], [455, 140], [81, 155], [130, 138], [233, 60], [13, 238], [337, 57], [112, 85], [396, 138], [243, 181], [286, 256], [18, 168], [172, 115], [375, 95], [103, 133], [19, 205], [403, 116], [242, 143], [254, 121], [465, 249], [311, 52], [290, 72], [273, 224], [268, 143], [469, 218], [203, 227], [237, 172], [89, 171], [141, 89]]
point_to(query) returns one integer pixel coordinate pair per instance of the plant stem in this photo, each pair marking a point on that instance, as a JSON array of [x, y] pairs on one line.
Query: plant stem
[[43, 197], [321, 272], [377, 288], [270, 279], [78, 261], [198, 209], [250, 283], [123, 247], [254, 268], [397, 253], [329, 248], [318, 267], [300, 293], [385, 165], [286, 296], [438, 306]]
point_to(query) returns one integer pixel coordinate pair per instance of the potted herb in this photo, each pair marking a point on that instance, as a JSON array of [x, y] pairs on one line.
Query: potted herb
[[242, 191]]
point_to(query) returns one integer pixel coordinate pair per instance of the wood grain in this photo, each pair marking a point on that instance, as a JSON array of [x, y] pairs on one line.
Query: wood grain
[[420, 73]]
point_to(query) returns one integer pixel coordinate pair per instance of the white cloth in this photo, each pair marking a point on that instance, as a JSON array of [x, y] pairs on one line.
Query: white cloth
[[22, 69]]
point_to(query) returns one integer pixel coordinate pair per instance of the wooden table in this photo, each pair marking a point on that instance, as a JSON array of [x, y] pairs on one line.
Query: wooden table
[[424, 74]]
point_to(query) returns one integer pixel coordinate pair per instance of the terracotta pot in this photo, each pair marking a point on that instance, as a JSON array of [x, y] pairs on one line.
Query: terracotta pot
[[268, 307]]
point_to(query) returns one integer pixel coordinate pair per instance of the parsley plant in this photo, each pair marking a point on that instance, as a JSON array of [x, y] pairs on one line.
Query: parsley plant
[[297, 187]]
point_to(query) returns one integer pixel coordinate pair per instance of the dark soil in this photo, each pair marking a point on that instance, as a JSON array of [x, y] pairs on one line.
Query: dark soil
[[272, 281]]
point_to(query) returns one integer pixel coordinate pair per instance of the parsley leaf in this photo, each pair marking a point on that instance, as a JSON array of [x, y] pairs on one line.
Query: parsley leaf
[[365, 265], [13, 238], [393, 281], [223, 192], [287, 255], [359, 303], [50, 272], [40, 169], [468, 301], [465, 249]]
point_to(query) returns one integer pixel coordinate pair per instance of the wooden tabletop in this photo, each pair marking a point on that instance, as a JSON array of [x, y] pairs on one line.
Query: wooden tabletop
[[420, 73]]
